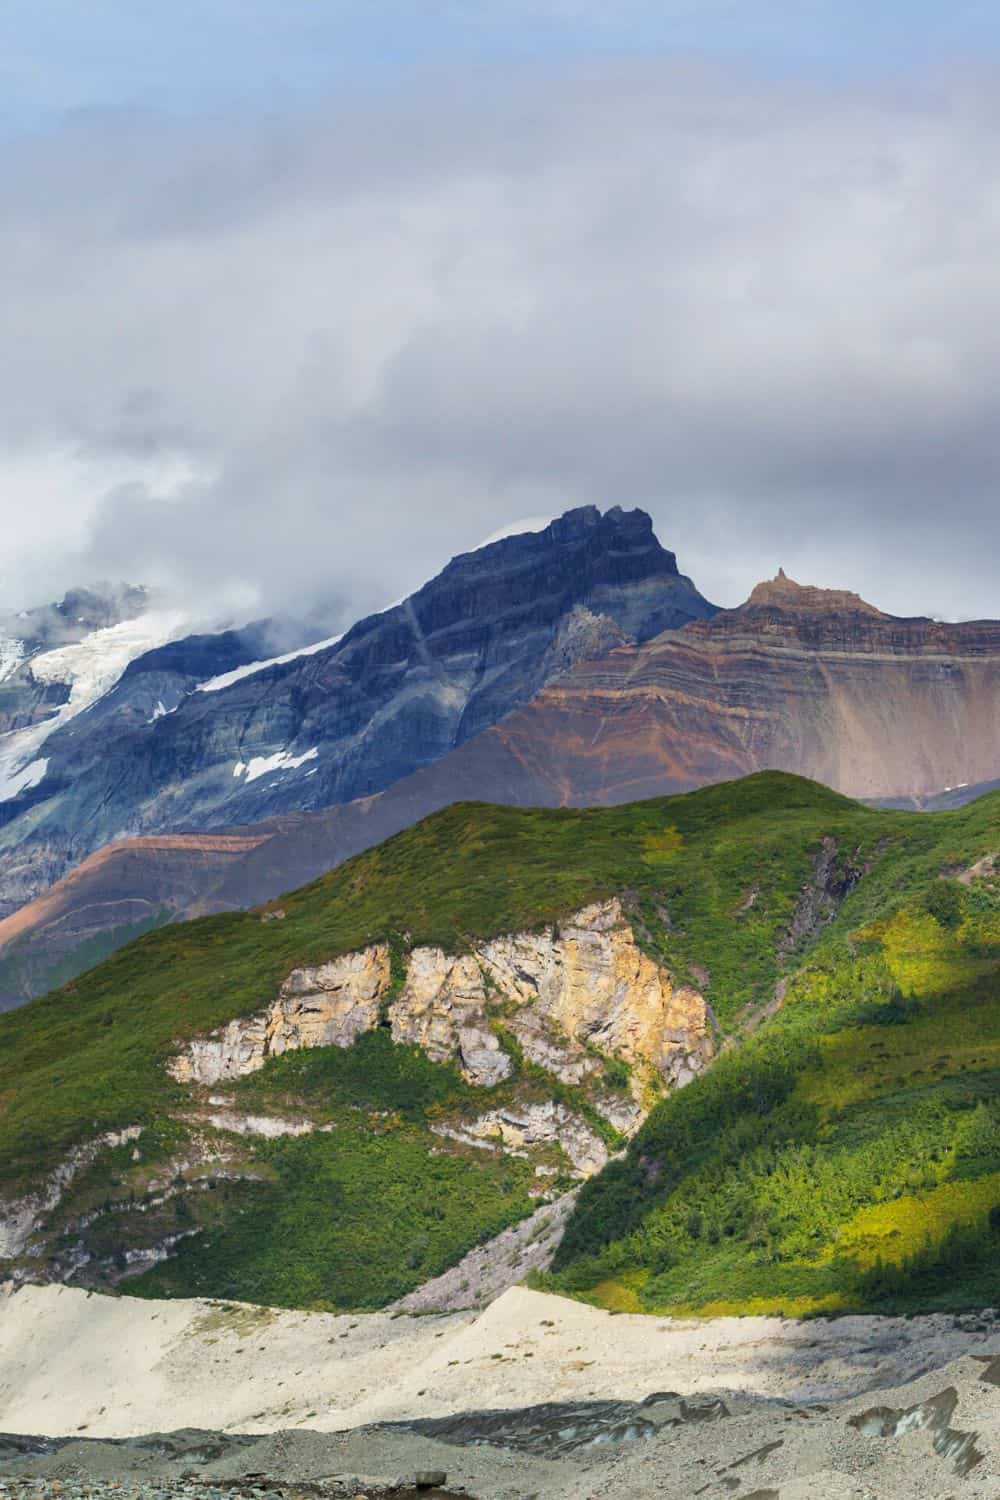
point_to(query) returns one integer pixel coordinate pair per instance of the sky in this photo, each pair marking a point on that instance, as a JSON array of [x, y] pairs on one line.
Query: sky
[[298, 300]]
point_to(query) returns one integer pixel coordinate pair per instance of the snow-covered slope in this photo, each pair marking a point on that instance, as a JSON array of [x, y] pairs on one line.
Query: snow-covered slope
[[80, 673], [227, 679]]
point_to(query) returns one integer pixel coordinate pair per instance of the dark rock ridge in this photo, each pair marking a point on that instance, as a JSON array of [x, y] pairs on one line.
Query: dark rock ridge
[[397, 692]]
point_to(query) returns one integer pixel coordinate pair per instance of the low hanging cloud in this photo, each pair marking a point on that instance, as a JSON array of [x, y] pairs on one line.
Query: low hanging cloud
[[302, 362]]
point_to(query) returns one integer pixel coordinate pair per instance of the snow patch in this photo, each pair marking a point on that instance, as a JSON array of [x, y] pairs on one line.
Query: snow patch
[[94, 665], [281, 760], [13, 782], [226, 679], [90, 668]]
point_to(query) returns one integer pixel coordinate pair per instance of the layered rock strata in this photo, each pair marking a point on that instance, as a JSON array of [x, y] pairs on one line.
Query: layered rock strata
[[20, 1220], [523, 1130], [812, 681]]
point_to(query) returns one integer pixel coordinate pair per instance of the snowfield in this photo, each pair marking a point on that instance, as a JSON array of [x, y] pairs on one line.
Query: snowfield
[[226, 679], [281, 760], [90, 667]]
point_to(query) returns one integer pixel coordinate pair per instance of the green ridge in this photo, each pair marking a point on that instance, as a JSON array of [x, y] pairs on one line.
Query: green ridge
[[792, 1175]]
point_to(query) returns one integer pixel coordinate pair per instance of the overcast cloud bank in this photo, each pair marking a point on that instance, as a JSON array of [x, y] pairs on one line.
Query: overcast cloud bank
[[301, 360]]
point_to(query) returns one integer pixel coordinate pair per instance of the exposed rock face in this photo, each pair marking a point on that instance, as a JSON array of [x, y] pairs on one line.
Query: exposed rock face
[[397, 691], [19, 1221], [269, 1127], [489, 1270], [578, 995], [548, 1124], [594, 986], [329, 1006], [813, 681], [442, 1008], [835, 874]]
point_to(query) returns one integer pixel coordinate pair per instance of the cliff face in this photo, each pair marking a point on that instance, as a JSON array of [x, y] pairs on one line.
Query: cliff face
[[329, 1006], [805, 680], [571, 998]]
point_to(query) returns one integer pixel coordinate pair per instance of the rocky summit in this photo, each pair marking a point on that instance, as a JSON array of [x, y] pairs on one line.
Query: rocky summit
[[200, 734], [166, 749]]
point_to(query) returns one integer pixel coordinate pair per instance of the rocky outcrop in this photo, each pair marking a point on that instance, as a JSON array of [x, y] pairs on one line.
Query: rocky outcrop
[[521, 1131], [835, 874], [592, 985], [981, 869], [572, 998], [442, 1008], [489, 1270], [328, 1006], [20, 1220], [267, 1127]]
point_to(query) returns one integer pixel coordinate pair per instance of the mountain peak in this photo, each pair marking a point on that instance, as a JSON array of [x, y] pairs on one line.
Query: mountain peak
[[783, 592]]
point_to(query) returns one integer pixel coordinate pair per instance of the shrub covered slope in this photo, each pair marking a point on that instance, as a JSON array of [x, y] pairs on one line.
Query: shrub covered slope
[[847, 1155]]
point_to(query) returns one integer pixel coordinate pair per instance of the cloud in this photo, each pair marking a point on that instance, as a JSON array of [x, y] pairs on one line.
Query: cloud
[[308, 359]]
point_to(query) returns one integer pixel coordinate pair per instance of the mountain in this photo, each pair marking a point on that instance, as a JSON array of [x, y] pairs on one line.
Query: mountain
[[30, 690], [168, 749], [61, 660], [813, 681], [55, 659], [951, 796], [328, 1101]]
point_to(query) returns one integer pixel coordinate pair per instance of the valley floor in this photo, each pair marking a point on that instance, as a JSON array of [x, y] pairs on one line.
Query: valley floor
[[323, 1391]]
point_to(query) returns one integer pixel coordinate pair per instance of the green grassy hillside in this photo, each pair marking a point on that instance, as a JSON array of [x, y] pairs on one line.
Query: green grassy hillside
[[820, 1138]]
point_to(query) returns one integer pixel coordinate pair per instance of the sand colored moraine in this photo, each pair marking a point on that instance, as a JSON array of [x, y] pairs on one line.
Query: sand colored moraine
[[87, 1365]]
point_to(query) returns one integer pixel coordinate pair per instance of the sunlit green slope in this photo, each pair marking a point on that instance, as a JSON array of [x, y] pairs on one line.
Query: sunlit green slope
[[848, 1153]]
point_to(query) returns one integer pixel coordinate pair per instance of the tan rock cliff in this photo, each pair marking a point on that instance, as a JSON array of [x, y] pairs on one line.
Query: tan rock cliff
[[329, 1006], [592, 984], [571, 997]]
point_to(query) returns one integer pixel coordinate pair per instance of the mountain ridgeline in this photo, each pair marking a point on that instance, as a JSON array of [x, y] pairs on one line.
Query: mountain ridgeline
[[780, 1005], [165, 750]]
